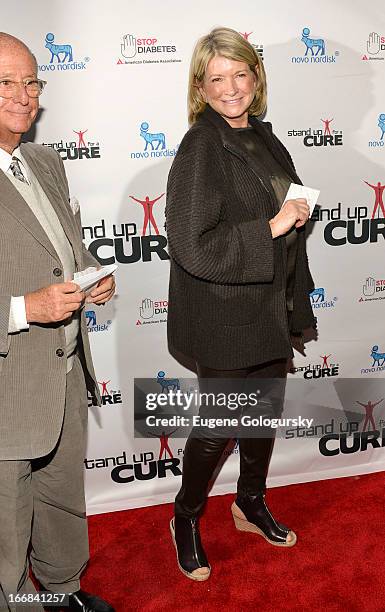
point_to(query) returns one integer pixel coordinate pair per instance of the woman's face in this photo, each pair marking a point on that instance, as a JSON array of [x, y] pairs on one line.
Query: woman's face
[[229, 88]]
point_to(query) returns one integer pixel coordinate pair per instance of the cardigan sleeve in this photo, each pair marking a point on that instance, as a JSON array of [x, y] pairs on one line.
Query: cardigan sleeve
[[201, 240]]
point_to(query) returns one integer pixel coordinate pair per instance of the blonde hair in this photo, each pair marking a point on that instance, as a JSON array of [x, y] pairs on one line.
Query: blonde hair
[[230, 44]]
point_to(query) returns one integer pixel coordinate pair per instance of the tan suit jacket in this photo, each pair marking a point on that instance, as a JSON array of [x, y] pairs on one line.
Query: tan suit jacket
[[32, 363]]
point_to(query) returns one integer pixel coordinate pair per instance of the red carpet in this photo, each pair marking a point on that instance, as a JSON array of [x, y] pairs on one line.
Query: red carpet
[[338, 563]]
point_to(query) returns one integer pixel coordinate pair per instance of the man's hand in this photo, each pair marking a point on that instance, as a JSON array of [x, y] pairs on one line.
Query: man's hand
[[293, 212], [54, 303], [103, 291]]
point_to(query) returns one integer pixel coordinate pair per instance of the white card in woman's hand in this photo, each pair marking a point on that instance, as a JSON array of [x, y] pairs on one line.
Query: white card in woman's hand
[[301, 191]]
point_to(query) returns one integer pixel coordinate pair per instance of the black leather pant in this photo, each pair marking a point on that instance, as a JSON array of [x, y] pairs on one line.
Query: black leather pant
[[202, 454]]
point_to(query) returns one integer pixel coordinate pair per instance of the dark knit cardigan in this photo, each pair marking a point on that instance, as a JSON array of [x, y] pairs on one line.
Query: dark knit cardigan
[[227, 302]]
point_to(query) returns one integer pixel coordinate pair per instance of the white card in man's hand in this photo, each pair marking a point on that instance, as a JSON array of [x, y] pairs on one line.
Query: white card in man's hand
[[301, 191], [88, 278]]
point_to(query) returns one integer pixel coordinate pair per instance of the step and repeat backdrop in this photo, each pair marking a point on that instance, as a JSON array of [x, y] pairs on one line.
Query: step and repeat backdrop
[[115, 110]]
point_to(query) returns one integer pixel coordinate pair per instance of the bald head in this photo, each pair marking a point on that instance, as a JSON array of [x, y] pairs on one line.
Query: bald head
[[10, 43], [18, 110]]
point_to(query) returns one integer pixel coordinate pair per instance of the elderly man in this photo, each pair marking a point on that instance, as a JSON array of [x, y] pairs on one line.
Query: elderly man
[[45, 361]]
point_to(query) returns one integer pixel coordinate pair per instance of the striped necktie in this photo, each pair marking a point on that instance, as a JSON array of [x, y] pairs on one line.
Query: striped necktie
[[17, 171]]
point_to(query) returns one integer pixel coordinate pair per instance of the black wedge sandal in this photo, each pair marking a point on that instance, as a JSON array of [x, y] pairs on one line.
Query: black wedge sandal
[[190, 554], [250, 513]]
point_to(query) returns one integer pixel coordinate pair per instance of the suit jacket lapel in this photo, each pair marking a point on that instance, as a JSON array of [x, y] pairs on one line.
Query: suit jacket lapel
[[48, 181], [15, 204]]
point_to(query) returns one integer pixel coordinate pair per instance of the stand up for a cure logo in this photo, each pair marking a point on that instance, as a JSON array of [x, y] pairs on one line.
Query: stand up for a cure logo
[[149, 219], [378, 203]]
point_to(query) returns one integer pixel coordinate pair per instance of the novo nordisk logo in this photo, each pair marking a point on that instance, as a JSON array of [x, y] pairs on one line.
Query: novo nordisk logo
[[315, 51], [61, 56], [381, 124], [318, 299], [93, 325], [378, 364], [167, 384], [154, 144]]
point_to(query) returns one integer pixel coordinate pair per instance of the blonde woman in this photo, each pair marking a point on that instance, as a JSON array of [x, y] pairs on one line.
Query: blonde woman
[[239, 280]]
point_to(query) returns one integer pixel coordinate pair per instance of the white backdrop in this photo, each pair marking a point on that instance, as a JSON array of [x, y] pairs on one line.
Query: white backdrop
[[120, 68]]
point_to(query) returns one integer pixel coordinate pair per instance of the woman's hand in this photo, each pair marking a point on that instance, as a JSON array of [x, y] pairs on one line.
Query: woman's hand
[[293, 212]]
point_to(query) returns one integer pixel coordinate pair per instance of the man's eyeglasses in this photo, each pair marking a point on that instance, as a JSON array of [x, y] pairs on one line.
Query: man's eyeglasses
[[33, 87]]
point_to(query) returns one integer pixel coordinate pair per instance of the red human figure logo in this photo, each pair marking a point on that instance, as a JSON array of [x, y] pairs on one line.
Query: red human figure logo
[[379, 203], [164, 446], [245, 35], [81, 142], [148, 215], [369, 407], [327, 123], [103, 385], [325, 360]]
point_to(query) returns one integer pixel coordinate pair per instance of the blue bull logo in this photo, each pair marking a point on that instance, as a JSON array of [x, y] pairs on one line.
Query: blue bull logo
[[58, 50], [378, 358], [318, 295], [312, 44], [167, 384], [91, 318], [150, 139], [381, 125]]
